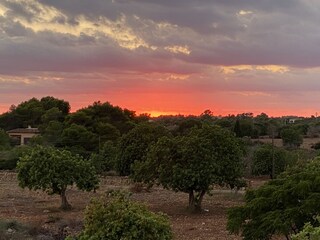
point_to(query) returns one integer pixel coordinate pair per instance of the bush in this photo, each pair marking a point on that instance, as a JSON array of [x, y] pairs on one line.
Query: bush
[[263, 160], [105, 160], [308, 232], [120, 218], [291, 138], [9, 159]]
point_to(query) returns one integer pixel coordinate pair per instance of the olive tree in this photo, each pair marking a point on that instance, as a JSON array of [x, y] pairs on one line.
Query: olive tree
[[193, 163], [53, 170]]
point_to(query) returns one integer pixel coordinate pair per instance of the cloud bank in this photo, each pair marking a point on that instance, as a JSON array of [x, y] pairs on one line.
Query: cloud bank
[[166, 56]]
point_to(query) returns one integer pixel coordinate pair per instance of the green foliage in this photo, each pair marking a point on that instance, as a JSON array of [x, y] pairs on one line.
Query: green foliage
[[291, 138], [91, 116], [120, 218], [261, 123], [52, 133], [9, 158], [33, 112], [52, 170], [263, 160], [4, 140], [135, 144], [309, 232], [281, 206], [105, 160], [185, 125], [79, 139], [192, 163]]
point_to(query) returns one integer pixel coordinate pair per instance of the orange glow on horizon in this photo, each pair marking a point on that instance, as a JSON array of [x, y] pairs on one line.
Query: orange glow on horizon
[[170, 109], [155, 113]]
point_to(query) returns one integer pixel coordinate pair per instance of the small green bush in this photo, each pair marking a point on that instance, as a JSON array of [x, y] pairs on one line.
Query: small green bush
[[308, 232], [122, 219], [9, 158]]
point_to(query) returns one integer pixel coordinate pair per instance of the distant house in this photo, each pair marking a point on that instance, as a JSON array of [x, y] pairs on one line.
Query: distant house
[[23, 135], [292, 120]]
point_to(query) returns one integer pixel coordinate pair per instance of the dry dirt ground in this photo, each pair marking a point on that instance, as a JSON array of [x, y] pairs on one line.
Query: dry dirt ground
[[41, 211]]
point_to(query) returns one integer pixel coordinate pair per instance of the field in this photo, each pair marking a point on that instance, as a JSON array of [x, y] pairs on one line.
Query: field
[[41, 211], [307, 142]]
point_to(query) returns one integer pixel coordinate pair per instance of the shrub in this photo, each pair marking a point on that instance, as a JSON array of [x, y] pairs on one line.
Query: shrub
[[9, 159], [308, 232], [263, 160], [291, 138], [120, 218]]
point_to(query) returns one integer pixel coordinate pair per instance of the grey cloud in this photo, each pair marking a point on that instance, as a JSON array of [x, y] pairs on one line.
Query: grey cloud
[[277, 32]]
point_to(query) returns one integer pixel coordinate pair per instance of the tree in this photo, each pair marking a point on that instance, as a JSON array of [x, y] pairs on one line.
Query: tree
[[291, 138], [79, 139], [265, 156], [4, 140], [52, 171], [192, 163], [120, 218], [105, 160], [52, 133], [32, 112], [51, 102], [281, 206], [134, 145], [122, 119], [261, 123]]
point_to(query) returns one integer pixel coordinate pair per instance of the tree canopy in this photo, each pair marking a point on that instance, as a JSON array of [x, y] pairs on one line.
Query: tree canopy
[[291, 137], [134, 145], [52, 171], [281, 206], [192, 163], [264, 158]]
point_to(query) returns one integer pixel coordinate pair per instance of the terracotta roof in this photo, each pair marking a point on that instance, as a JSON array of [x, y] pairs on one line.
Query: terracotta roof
[[24, 130]]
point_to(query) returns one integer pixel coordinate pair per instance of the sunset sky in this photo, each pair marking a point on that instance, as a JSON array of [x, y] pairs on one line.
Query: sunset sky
[[164, 56]]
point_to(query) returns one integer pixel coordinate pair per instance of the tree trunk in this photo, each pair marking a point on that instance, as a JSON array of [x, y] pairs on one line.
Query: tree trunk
[[191, 199], [64, 202], [199, 201], [195, 202]]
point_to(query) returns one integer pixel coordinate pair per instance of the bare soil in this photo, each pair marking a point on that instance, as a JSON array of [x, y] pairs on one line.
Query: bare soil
[[42, 211]]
